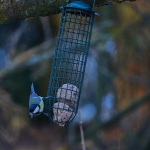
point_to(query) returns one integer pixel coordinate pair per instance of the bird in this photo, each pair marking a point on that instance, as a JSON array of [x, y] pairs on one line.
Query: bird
[[36, 104]]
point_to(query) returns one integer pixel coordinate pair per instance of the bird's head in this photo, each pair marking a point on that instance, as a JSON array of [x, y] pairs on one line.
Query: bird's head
[[34, 110]]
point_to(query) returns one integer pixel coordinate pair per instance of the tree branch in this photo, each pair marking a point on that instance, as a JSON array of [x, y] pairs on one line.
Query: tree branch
[[31, 57], [136, 103], [20, 9]]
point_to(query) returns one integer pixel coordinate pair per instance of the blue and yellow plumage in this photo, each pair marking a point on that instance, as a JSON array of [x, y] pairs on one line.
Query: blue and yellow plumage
[[36, 104]]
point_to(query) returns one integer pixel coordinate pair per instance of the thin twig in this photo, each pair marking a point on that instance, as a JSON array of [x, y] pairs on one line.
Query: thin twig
[[81, 131], [119, 146], [46, 27]]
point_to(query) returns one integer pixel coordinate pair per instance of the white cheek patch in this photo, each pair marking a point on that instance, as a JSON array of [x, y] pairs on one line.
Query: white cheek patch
[[36, 110]]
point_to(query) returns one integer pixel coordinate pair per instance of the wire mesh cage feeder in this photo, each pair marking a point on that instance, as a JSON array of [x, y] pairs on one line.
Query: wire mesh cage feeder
[[69, 61]]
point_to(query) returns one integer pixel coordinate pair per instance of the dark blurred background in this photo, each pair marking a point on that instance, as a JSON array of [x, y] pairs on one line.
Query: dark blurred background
[[114, 103]]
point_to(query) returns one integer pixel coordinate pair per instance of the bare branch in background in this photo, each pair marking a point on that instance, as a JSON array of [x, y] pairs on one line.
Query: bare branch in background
[[14, 38], [136, 103], [46, 27], [31, 57]]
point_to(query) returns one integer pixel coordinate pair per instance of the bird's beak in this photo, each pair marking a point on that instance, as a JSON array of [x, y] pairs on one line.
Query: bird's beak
[[31, 115]]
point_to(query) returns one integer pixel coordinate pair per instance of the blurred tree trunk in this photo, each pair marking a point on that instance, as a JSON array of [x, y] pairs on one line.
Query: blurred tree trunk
[[133, 59], [19, 9]]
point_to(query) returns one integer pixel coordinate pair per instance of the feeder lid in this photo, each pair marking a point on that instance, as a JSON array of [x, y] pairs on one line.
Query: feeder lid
[[80, 5]]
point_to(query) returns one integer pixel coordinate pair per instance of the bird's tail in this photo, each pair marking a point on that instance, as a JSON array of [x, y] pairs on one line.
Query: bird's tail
[[32, 88]]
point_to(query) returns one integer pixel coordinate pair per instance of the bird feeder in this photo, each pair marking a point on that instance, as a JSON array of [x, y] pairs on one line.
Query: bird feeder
[[69, 61]]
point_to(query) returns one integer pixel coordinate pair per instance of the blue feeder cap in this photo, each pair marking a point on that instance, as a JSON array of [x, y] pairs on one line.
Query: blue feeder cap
[[80, 5]]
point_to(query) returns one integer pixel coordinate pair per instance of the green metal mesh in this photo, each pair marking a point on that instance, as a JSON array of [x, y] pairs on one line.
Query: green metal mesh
[[69, 64]]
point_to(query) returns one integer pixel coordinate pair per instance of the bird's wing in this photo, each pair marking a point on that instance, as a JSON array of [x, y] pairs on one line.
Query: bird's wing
[[34, 99], [41, 105]]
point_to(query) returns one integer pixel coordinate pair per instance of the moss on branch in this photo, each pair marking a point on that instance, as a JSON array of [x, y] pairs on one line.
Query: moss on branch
[[19, 9]]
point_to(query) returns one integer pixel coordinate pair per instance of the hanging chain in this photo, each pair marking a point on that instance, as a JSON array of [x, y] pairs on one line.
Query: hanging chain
[[93, 5]]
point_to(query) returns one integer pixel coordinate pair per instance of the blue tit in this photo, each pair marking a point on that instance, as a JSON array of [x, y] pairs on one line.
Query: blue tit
[[36, 104]]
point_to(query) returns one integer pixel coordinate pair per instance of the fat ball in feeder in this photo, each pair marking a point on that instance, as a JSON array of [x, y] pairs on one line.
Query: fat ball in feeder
[[67, 96]]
